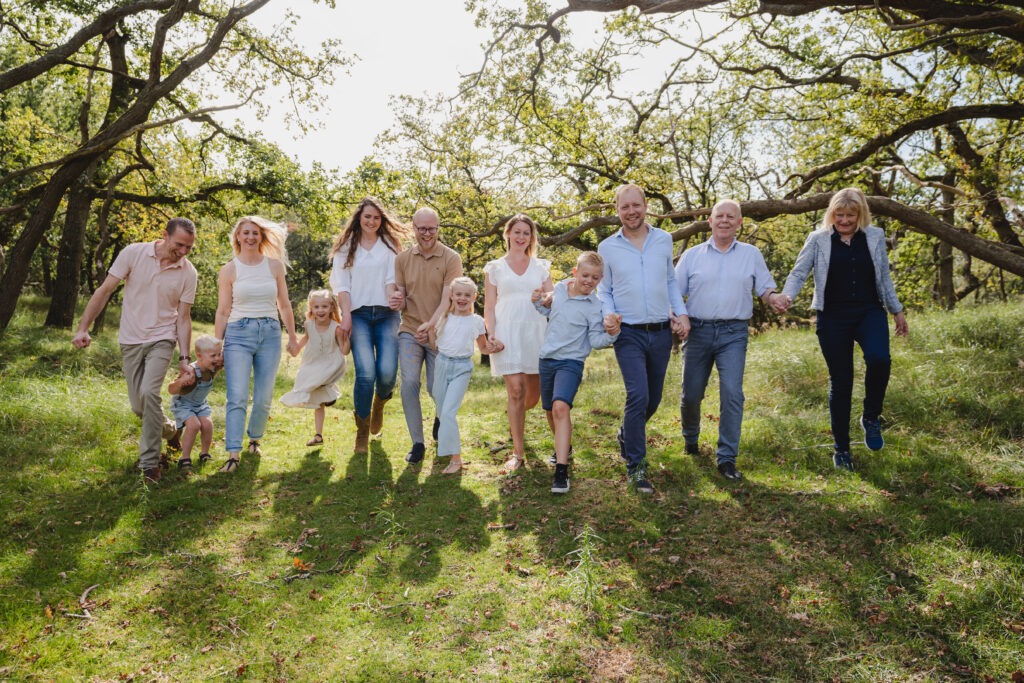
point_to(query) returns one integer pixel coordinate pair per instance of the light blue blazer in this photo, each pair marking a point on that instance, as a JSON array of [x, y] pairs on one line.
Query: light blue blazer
[[814, 258]]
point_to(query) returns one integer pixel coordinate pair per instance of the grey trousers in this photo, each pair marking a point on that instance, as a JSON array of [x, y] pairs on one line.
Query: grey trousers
[[145, 368], [411, 357]]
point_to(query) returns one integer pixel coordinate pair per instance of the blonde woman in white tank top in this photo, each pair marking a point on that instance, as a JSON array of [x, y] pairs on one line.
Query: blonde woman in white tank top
[[252, 302]]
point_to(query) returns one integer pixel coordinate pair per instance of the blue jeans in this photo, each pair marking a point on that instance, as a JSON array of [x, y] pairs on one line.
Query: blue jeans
[[837, 331], [643, 359], [252, 349], [375, 354], [451, 380], [559, 380], [411, 358], [722, 343]]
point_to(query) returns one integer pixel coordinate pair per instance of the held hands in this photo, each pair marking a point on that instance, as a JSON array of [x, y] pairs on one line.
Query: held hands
[[544, 298], [613, 323], [346, 327], [293, 346], [397, 300], [422, 334], [780, 303], [680, 324], [494, 345]]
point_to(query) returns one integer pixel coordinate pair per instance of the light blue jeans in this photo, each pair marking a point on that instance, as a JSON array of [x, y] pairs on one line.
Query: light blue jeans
[[722, 343], [252, 350], [412, 356], [375, 354], [451, 380]]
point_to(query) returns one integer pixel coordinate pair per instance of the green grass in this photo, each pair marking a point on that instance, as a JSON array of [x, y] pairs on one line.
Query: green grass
[[317, 564]]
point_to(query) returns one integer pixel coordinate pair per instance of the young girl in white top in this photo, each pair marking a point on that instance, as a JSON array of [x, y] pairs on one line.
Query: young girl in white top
[[456, 331], [323, 360]]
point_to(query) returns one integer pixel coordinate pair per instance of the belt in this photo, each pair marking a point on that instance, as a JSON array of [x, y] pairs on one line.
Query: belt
[[649, 327], [698, 322]]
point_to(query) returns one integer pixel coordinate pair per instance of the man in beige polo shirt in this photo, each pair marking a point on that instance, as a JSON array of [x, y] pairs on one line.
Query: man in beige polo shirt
[[159, 290], [423, 273]]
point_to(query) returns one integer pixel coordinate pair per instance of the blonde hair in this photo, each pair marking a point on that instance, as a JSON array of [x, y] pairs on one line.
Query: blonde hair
[[522, 218], [390, 230], [847, 198], [323, 294], [463, 281], [207, 342], [272, 237], [590, 258]]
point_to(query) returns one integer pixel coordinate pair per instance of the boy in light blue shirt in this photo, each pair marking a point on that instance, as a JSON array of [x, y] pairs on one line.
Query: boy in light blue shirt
[[575, 327]]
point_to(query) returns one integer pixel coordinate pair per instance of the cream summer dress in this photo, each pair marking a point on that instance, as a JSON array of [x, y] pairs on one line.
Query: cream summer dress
[[518, 324], [321, 368]]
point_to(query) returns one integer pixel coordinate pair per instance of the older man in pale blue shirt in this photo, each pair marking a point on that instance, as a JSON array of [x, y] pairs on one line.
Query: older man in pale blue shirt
[[716, 278], [639, 285]]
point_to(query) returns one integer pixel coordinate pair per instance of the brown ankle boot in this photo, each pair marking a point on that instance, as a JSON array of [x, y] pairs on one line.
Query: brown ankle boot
[[377, 415], [362, 433]]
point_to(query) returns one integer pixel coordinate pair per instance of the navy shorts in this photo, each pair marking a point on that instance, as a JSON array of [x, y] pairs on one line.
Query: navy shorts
[[559, 381]]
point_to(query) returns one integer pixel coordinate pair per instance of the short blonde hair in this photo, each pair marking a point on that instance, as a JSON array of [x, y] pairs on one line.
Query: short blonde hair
[[272, 237], [207, 342], [627, 187], [590, 258], [848, 198], [515, 220]]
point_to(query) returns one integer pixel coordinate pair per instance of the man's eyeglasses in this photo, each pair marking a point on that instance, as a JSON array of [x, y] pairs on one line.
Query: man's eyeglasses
[[425, 228]]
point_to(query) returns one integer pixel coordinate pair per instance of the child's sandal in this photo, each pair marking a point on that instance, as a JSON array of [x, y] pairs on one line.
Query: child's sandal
[[185, 465], [512, 464], [317, 440], [205, 458]]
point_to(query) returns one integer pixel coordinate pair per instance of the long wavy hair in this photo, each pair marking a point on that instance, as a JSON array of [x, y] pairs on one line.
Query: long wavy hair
[[391, 231], [272, 237], [323, 295]]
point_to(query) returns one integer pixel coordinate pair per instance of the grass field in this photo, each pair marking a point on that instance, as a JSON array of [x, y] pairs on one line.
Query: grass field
[[319, 565]]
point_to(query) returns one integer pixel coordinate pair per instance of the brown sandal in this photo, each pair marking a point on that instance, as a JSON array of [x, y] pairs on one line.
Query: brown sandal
[[254, 447], [230, 466], [317, 440]]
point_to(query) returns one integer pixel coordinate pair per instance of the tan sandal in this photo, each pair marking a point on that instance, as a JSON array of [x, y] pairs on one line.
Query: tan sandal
[[512, 464], [453, 468]]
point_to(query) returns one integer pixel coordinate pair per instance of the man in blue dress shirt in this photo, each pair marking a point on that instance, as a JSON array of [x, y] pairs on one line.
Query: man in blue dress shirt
[[716, 279], [639, 288]]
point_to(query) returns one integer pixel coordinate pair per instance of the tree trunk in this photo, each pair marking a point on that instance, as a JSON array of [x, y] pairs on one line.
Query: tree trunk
[[947, 288], [72, 251]]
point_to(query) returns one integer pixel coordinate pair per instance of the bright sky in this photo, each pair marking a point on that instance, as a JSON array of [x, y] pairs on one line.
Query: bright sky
[[404, 47]]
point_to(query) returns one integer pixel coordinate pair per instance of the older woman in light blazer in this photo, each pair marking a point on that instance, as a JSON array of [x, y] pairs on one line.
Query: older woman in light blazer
[[852, 292]]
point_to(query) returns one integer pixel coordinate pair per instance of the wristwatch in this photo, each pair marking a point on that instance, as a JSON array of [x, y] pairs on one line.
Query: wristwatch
[[186, 357]]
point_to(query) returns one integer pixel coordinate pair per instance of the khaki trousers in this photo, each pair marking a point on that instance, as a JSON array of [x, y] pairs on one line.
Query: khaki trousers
[[145, 368]]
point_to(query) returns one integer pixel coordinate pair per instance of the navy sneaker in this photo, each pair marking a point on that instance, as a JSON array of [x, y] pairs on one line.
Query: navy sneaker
[[843, 460], [638, 479], [561, 484], [415, 453], [729, 471], [553, 460], [692, 449], [872, 433]]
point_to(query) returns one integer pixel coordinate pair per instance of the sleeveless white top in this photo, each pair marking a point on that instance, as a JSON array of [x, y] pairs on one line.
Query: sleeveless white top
[[254, 294]]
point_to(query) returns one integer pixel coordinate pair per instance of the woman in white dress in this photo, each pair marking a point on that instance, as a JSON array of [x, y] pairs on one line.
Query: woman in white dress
[[516, 329]]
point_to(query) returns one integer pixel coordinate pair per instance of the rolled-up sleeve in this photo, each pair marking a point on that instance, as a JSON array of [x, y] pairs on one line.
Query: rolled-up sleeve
[[341, 277]]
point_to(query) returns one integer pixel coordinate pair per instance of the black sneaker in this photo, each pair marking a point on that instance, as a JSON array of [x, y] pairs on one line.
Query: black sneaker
[[692, 449], [729, 471], [436, 428], [872, 433], [639, 481], [553, 460], [561, 484], [415, 453], [843, 460]]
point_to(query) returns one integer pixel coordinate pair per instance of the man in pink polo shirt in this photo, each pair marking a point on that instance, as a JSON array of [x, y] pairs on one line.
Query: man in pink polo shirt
[[159, 290]]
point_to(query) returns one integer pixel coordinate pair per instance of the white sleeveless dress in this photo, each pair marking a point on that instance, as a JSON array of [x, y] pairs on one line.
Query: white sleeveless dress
[[319, 372], [518, 324]]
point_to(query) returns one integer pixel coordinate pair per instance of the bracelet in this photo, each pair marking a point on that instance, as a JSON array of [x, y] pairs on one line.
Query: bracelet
[[186, 357]]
